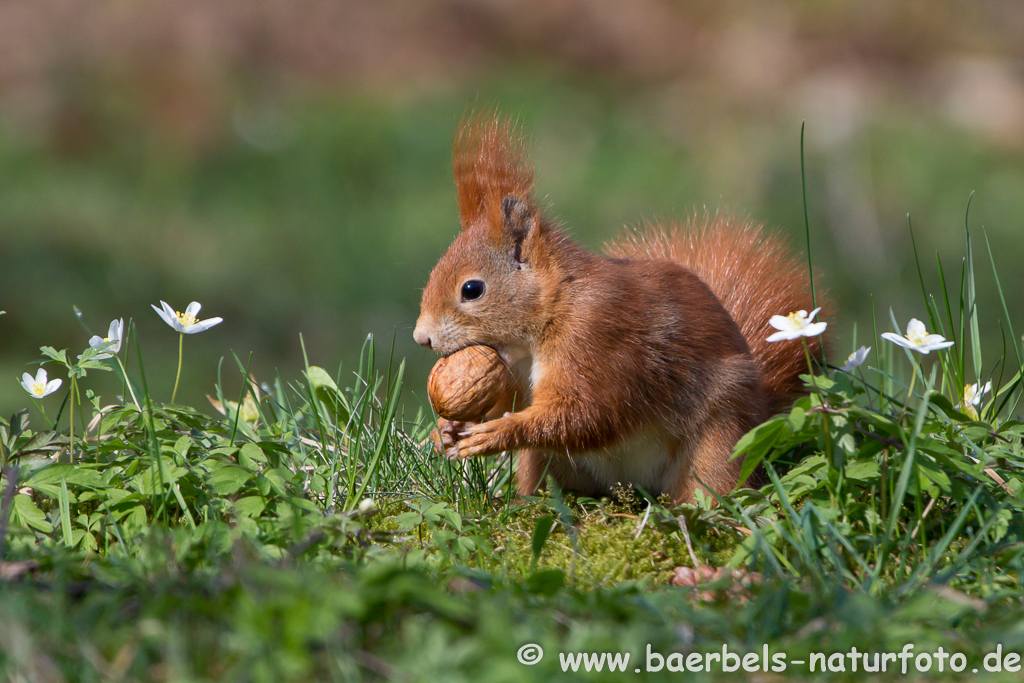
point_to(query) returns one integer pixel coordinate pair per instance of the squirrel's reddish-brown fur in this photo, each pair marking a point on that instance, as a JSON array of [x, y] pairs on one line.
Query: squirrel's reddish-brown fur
[[642, 366], [752, 272]]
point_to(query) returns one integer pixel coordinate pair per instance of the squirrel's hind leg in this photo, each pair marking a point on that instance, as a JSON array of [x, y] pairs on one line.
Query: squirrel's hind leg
[[536, 465], [712, 466]]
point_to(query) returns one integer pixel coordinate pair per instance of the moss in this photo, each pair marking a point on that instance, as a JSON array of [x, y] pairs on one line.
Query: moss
[[601, 546]]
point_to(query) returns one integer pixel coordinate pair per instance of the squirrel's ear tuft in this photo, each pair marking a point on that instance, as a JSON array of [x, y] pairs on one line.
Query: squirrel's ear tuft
[[489, 161]]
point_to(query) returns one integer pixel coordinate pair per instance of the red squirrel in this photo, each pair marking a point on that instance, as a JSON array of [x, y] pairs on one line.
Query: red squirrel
[[641, 366]]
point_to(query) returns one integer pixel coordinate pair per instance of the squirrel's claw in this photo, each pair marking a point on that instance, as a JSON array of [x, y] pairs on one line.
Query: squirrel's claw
[[473, 440], [452, 437], [447, 433]]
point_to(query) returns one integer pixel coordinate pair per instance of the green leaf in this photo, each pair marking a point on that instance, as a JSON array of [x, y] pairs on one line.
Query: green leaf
[[847, 443], [277, 478], [55, 473], [85, 364], [453, 517], [819, 381], [59, 356], [131, 517], [933, 473], [796, 418], [304, 504], [325, 389], [182, 445], [407, 521], [541, 531], [945, 406], [864, 470], [162, 474], [755, 444], [227, 480], [250, 456], [28, 513], [250, 506]]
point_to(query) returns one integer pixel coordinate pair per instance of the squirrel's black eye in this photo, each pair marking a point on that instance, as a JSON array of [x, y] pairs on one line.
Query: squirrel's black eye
[[472, 290]]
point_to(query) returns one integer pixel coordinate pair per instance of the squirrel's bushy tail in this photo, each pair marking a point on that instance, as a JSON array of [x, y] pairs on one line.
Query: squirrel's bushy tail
[[754, 275]]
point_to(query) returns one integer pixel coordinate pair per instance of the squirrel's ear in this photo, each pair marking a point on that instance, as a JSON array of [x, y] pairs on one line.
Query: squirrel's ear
[[520, 224]]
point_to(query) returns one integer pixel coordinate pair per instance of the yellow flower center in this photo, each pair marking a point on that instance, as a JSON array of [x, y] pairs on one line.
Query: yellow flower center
[[39, 388], [185, 319], [916, 337], [797, 319]]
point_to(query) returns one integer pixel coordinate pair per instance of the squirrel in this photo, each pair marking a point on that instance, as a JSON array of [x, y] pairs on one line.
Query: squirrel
[[643, 365]]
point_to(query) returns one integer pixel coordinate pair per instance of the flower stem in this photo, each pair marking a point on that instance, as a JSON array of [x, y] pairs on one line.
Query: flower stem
[[910, 392], [181, 343], [828, 430], [39, 406], [71, 437], [128, 383]]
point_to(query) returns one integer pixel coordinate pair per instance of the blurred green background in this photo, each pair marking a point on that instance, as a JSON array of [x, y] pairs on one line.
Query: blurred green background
[[287, 163]]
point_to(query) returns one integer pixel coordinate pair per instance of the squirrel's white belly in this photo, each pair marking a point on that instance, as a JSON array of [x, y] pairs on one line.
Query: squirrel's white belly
[[651, 459]]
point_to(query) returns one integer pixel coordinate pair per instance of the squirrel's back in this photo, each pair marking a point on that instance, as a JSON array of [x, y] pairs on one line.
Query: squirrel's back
[[753, 274]]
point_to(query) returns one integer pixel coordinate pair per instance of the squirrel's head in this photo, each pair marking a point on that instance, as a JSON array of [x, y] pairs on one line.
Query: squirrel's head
[[486, 287]]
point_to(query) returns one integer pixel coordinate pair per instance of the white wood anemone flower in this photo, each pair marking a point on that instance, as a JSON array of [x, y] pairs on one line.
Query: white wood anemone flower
[[186, 322], [38, 386], [917, 338], [114, 334], [796, 325], [856, 359], [973, 393]]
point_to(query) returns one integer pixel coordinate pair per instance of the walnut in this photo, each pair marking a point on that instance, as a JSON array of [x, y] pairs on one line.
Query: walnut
[[471, 385]]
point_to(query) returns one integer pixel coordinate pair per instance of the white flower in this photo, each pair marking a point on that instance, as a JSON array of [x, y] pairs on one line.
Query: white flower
[[796, 325], [917, 338], [114, 334], [38, 386], [973, 394], [186, 322], [856, 358]]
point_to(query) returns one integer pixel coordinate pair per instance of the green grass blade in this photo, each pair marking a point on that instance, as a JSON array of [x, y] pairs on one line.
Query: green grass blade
[[923, 571], [1002, 300], [807, 216], [957, 369], [811, 559], [65, 513], [907, 470], [382, 437], [972, 300], [160, 501]]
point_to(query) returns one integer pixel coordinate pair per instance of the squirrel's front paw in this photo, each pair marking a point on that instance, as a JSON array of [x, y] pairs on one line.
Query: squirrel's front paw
[[474, 440], [446, 434]]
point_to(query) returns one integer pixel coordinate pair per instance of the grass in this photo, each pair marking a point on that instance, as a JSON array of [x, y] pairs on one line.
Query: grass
[[308, 533]]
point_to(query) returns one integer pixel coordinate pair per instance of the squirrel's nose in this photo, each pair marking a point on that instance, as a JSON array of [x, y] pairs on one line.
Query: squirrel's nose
[[422, 337]]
